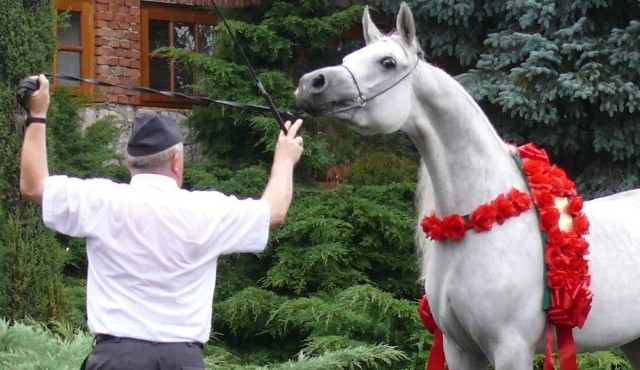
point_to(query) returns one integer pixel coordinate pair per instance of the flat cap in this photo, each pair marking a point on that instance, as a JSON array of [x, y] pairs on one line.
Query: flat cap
[[151, 134]]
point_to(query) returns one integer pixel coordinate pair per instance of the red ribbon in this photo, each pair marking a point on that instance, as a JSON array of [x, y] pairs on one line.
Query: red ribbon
[[566, 348], [548, 349], [436, 356], [570, 309]]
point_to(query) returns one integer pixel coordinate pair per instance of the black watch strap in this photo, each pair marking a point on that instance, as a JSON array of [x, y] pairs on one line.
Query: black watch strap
[[31, 120]]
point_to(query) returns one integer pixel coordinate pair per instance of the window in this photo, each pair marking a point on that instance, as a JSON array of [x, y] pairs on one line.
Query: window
[[74, 55], [172, 26]]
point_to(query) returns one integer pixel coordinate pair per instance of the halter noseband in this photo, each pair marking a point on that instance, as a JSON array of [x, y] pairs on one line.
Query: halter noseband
[[362, 101]]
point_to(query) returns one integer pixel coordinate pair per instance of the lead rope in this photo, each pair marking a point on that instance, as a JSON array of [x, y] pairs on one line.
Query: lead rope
[[198, 99]]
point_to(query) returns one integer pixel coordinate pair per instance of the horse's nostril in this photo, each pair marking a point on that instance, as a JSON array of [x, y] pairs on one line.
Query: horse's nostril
[[318, 81]]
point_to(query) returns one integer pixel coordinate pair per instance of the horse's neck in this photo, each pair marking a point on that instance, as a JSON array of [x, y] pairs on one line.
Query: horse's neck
[[468, 164]]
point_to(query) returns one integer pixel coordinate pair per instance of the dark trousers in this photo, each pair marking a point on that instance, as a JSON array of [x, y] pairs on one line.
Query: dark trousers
[[132, 354]]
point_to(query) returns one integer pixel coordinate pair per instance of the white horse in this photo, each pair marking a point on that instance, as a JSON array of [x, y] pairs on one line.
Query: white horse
[[486, 290]]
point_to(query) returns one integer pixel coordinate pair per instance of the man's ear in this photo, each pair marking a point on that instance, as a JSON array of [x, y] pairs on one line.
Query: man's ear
[[176, 160]]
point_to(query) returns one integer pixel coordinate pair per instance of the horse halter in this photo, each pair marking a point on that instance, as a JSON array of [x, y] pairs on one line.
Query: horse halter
[[362, 101]]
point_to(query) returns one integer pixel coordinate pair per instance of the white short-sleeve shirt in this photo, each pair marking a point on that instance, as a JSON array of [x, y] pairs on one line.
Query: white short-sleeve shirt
[[152, 250]]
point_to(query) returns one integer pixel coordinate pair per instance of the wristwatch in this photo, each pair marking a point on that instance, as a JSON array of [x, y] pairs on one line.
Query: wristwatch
[[31, 120]]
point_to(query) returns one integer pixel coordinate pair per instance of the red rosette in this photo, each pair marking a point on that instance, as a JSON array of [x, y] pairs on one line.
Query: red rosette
[[532, 167], [557, 172], [581, 267], [575, 205], [570, 308], [541, 182], [582, 300], [432, 227], [454, 227], [543, 198], [580, 246], [568, 187], [521, 201], [557, 185], [531, 151], [483, 217], [556, 260], [504, 208], [581, 224], [549, 218], [556, 279], [557, 237]]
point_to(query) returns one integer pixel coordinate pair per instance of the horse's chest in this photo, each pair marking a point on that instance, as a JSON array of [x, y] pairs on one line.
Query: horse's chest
[[487, 277]]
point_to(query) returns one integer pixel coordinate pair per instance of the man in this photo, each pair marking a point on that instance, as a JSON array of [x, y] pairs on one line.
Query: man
[[152, 247]]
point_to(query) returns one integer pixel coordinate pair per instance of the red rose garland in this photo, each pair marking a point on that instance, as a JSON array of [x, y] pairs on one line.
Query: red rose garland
[[567, 295], [454, 227]]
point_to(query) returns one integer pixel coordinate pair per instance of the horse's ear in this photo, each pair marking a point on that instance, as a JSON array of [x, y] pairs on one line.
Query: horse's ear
[[405, 24], [369, 30]]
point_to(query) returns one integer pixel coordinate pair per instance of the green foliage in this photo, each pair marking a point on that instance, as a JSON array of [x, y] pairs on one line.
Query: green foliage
[[348, 236], [31, 257], [609, 360], [81, 152], [245, 182], [271, 35], [561, 74], [341, 273], [383, 168], [33, 346], [31, 260], [331, 325], [26, 347]]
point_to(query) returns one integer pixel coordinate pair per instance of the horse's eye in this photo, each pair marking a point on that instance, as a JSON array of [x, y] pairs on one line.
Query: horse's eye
[[388, 63]]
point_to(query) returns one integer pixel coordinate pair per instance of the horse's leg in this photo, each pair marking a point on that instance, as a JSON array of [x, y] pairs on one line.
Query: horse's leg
[[632, 351], [513, 353], [459, 359]]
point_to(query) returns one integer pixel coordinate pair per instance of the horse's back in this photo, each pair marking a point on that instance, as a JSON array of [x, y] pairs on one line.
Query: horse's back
[[614, 264]]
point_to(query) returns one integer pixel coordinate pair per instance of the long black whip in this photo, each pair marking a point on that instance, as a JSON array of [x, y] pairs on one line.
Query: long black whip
[[261, 88]]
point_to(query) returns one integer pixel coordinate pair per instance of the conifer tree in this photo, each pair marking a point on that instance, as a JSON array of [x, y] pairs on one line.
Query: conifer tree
[[562, 74], [31, 259]]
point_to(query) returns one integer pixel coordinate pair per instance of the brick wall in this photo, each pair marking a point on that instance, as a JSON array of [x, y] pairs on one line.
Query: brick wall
[[117, 42], [220, 3], [117, 46]]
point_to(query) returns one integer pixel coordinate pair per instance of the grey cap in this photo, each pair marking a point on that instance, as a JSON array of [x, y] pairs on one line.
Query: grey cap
[[151, 134]]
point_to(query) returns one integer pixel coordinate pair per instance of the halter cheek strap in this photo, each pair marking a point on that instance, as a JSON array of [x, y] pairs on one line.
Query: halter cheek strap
[[362, 100]]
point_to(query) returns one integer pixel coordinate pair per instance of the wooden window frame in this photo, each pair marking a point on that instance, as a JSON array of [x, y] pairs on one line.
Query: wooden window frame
[[87, 42], [170, 14]]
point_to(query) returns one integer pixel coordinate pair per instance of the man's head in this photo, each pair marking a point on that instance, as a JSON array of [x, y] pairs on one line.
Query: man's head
[[155, 146]]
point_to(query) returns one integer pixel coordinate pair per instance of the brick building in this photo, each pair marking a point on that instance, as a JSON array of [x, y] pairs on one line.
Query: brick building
[[111, 40]]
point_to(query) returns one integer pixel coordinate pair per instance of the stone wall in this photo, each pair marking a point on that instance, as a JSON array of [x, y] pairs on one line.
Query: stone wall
[[122, 117]]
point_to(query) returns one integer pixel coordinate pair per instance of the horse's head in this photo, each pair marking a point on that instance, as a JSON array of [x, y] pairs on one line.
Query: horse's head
[[372, 87]]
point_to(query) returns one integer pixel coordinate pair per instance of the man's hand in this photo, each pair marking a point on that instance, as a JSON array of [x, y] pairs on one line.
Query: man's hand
[[38, 102], [289, 147]]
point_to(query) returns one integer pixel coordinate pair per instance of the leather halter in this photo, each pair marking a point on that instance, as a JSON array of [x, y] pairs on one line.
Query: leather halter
[[362, 100]]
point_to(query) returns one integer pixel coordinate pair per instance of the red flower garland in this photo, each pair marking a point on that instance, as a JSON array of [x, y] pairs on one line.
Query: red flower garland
[[454, 227], [567, 274]]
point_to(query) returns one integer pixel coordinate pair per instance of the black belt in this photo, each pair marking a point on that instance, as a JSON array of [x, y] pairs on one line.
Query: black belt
[[110, 338]]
